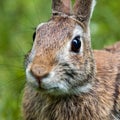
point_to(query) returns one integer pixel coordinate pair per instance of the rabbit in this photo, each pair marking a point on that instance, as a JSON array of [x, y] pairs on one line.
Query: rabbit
[[114, 48], [66, 79]]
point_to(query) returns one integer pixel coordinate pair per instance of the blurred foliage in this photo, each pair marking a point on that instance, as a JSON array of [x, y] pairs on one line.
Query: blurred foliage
[[17, 22]]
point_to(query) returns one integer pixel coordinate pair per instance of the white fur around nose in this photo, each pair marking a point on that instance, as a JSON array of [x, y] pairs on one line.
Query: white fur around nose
[[29, 76]]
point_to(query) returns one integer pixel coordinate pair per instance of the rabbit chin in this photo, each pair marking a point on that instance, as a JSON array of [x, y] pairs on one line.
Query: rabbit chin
[[52, 85]]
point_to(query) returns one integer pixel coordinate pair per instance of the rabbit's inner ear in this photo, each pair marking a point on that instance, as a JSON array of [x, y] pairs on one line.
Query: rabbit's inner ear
[[83, 9]]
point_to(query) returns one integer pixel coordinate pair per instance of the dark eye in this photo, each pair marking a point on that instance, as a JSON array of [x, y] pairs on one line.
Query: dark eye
[[76, 44], [34, 35]]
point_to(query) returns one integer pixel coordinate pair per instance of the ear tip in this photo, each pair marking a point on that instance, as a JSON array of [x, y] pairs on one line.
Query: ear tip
[[94, 2], [93, 6]]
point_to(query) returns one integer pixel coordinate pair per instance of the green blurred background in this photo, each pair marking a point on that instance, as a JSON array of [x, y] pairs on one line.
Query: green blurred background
[[18, 18]]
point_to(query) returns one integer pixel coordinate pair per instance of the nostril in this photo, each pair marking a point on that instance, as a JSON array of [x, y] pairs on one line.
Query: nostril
[[39, 78], [39, 70], [39, 73]]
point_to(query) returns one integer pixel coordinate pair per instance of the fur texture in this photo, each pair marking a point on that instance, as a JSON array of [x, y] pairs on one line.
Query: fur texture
[[63, 84], [102, 102]]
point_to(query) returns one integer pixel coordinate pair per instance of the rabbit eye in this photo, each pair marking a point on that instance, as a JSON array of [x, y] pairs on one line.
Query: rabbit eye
[[76, 44], [34, 35]]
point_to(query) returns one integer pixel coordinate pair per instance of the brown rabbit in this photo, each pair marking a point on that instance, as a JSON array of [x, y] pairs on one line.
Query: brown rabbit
[[66, 79], [114, 48]]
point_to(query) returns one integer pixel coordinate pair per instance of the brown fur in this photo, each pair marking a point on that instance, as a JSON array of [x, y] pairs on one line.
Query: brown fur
[[114, 48], [100, 68], [61, 6], [82, 9], [98, 104]]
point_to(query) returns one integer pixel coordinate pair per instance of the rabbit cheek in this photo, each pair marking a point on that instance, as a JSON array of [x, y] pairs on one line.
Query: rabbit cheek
[[55, 83]]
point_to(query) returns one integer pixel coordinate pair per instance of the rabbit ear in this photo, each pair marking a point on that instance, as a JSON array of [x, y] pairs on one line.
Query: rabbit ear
[[83, 9], [63, 6]]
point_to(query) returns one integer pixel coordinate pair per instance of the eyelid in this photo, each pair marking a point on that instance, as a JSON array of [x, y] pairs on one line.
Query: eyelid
[[78, 37]]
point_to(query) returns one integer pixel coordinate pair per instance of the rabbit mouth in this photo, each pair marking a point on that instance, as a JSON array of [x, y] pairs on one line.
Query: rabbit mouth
[[61, 88], [55, 84], [47, 85]]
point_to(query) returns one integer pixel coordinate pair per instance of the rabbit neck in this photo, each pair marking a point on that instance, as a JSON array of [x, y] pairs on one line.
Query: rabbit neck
[[82, 107]]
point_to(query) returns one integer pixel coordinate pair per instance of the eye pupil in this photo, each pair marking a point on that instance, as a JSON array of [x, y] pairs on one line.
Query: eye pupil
[[34, 35], [76, 44]]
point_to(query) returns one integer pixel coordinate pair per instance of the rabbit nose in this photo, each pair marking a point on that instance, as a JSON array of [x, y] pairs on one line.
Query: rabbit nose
[[39, 72]]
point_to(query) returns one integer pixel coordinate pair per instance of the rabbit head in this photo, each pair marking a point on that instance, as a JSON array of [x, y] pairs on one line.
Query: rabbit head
[[61, 61]]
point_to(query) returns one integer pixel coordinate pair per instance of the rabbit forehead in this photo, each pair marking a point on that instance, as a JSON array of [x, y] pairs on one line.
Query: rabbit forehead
[[54, 34]]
